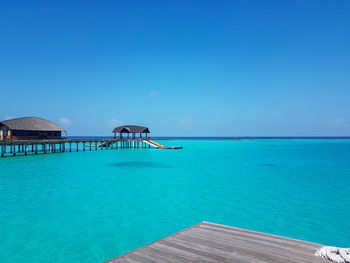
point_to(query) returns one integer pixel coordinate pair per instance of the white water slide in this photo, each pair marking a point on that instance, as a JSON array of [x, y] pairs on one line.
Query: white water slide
[[158, 145], [153, 143]]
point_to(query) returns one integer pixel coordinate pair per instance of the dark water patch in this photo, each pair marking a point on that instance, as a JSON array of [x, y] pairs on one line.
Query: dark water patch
[[267, 165], [139, 164]]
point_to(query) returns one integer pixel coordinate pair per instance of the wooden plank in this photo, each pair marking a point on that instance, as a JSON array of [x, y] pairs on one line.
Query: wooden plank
[[255, 233], [214, 243], [123, 143], [278, 244], [256, 252]]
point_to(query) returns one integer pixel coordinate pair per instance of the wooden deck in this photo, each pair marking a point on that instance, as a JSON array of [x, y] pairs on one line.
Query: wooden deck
[[213, 243], [24, 147]]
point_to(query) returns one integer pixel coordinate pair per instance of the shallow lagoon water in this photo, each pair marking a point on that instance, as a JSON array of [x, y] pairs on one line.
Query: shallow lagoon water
[[93, 206]]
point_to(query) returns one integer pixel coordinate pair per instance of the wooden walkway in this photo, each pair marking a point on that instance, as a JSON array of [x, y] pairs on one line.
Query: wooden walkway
[[24, 147], [213, 243]]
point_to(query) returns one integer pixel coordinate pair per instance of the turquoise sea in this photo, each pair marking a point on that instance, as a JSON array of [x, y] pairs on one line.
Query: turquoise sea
[[93, 206]]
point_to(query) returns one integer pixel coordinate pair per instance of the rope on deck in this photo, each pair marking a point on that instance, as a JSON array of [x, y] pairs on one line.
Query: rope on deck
[[336, 254]]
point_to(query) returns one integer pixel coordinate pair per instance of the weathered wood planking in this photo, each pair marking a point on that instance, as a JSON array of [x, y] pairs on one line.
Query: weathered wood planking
[[213, 243], [14, 147]]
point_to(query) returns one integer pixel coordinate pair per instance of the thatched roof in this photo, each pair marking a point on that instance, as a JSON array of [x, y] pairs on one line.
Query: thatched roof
[[31, 124], [131, 129]]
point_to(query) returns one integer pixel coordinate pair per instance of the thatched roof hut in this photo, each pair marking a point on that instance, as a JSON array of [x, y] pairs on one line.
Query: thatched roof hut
[[31, 124], [29, 128], [133, 129]]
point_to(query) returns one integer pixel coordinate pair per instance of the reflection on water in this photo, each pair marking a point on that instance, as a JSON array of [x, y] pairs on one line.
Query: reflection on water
[[267, 165], [139, 164]]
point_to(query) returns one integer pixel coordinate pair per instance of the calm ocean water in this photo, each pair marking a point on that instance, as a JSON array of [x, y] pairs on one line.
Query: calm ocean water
[[93, 206]]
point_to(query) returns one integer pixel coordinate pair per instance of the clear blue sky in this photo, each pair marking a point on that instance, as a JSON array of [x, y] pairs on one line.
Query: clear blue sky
[[200, 68]]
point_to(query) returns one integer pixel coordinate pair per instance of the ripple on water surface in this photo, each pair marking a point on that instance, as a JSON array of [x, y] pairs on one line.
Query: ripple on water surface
[[92, 206], [139, 164]]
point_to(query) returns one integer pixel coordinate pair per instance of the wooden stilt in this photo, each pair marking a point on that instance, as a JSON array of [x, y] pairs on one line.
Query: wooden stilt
[[70, 146]]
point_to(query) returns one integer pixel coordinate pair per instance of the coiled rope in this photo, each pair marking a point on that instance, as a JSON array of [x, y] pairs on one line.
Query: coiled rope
[[336, 254]]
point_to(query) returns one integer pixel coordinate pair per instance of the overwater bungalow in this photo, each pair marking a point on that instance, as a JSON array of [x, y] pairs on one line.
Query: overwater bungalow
[[36, 135], [29, 128], [131, 129]]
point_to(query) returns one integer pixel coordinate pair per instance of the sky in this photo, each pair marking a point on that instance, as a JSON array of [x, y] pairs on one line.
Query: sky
[[181, 68]]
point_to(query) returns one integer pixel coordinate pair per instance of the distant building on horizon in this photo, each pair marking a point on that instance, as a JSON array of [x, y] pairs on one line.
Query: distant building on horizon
[[30, 128]]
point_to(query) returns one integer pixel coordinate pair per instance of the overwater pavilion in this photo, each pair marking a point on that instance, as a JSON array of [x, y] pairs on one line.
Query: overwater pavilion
[[36, 135], [30, 128], [131, 129]]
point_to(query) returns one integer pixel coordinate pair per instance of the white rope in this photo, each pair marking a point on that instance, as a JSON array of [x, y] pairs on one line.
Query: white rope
[[336, 254]]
